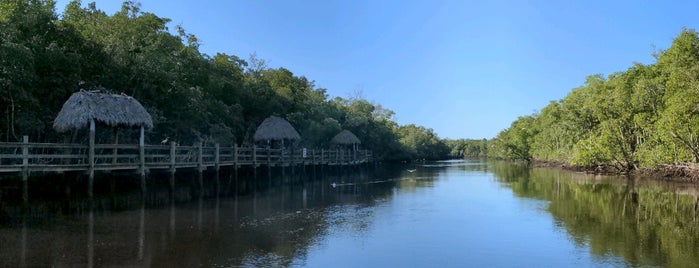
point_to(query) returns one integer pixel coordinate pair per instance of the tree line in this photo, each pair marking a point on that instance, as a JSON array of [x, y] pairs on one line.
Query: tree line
[[192, 96], [645, 116]]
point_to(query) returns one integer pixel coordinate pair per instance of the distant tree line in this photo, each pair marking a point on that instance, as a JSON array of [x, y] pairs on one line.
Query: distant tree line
[[192, 96], [645, 116], [468, 148]]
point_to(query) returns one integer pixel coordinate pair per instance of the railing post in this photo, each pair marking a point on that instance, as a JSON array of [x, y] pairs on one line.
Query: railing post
[[354, 155], [142, 158], [269, 156], [173, 162], [114, 151], [200, 156], [173, 156], [200, 165], [25, 169], [91, 159], [235, 155], [322, 156], [217, 157], [254, 155], [281, 157]]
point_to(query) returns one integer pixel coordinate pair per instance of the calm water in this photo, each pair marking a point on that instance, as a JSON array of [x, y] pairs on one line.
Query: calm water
[[445, 214]]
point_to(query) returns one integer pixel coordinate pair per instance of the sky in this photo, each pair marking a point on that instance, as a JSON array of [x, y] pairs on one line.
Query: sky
[[465, 69]]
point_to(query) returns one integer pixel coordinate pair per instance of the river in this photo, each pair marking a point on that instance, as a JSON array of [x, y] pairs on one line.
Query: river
[[438, 214]]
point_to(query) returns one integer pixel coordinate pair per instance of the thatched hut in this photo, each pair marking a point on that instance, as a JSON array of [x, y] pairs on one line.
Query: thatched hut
[[346, 138], [275, 128], [84, 108], [113, 110]]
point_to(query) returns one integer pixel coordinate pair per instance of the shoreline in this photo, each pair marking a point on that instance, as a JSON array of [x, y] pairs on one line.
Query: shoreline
[[666, 172]]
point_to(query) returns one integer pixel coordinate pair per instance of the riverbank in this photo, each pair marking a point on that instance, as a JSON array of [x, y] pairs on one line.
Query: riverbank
[[679, 173]]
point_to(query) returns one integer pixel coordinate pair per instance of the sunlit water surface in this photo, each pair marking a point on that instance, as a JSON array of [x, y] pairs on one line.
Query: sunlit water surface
[[443, 214]]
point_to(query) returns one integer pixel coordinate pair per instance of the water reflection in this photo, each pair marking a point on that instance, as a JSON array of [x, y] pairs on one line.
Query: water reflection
[[458, 213], [647, 222], [267, 224]]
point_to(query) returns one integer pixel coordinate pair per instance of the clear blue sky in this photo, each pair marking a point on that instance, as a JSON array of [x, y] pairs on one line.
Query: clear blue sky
[[466, 69]]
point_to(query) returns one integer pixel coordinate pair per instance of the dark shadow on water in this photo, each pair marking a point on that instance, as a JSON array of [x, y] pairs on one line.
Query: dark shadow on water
[[230, 221]]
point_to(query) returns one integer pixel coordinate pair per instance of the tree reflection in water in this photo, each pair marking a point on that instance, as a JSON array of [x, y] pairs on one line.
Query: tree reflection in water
[[647, 222], [249, 224]]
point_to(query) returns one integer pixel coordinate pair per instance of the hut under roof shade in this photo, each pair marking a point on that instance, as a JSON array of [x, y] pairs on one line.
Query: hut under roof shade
[[345, 137], [275, 128], [111, 109]]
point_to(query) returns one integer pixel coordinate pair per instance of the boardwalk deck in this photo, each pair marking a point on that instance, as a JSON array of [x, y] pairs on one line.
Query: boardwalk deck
[[25, 157]]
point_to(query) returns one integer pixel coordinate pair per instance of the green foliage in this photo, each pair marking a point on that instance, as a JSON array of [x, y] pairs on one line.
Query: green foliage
[[647, 115], [515, 142], [192, 96], [467, 148], [421, 142]]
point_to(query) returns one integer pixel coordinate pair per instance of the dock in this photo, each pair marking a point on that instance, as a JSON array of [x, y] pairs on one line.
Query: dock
[[26, 157]]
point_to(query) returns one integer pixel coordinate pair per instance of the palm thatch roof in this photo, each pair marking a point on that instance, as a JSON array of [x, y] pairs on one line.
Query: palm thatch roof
[[110, 109], [345, 137], [275, 128]]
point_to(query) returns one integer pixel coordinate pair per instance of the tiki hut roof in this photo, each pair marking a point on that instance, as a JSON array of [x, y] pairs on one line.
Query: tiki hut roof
[[111, 109], [345, 137], [276, 128]]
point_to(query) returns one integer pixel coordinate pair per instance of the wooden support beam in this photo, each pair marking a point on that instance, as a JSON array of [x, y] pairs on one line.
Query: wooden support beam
[[269, 156], [173, 163], [115, 151], [142, 159], [235, 155], [282, 159], [217, 157], [91, 159], [254, 155], [25, 169], [200, 157]]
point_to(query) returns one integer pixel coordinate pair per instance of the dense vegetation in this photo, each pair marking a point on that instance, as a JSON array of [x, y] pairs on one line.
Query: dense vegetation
[[192, 96], [641, 117]]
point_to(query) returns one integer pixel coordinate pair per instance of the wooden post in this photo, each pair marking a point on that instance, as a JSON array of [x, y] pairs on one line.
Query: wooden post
[[282, 161], [200, 178], [200, 166], [322, 156], [235, 155], [217, 157], [91, 159], [173, 162], [313, 156], [254, 155], [217, 166], [142, 158], [354, 153], [269, 156], [114, 151], [293, 161], [200, 156], [25, 169]]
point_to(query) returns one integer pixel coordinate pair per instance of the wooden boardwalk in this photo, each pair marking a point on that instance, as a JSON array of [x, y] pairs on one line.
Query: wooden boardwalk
[[24, 157]]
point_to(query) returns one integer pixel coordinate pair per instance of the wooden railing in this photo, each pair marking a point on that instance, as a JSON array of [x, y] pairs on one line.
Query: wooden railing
[[26, 156]]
